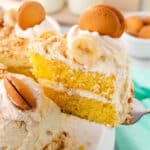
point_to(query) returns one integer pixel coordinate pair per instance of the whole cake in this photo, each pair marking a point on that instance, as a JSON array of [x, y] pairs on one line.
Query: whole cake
[[28, 119], [87, 72]]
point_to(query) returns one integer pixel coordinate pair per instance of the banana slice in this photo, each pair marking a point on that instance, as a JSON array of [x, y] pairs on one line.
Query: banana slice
[[85, 50]]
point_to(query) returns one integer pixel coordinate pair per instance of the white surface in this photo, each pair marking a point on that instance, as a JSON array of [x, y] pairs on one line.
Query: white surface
[[137, 47], [89, 135]]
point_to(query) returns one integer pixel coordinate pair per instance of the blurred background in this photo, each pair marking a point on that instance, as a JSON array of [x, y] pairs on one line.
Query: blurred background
[[67, 11]]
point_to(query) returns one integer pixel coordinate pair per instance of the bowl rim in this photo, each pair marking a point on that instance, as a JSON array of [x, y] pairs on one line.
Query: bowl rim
[[136, 39], [140, 13]]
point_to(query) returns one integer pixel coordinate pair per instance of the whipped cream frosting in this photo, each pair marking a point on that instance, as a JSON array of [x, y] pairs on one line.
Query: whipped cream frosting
[[92, 37], [31, 129], [11, 113], [111, 48], [47, 25]]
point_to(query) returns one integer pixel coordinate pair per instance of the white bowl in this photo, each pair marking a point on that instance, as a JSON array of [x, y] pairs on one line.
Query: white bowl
[[135, 46]]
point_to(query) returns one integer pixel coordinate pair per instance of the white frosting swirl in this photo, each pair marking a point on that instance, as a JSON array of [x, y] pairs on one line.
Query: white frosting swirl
[[48, 25], [11, 113], [106, 46], [76, 33]]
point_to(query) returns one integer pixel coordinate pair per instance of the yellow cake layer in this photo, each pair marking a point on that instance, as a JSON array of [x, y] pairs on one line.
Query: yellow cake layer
[[59, 72], [90, 109]]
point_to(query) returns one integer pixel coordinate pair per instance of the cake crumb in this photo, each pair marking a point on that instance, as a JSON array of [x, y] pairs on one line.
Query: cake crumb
[[62, 142], [49, 132]]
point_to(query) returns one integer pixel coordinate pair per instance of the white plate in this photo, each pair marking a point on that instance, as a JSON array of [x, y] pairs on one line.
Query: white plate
[[89, 135]]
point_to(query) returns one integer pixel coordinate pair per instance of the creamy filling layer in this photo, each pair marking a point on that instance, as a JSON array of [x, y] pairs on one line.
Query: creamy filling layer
[[122, 107], [71, 91]]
